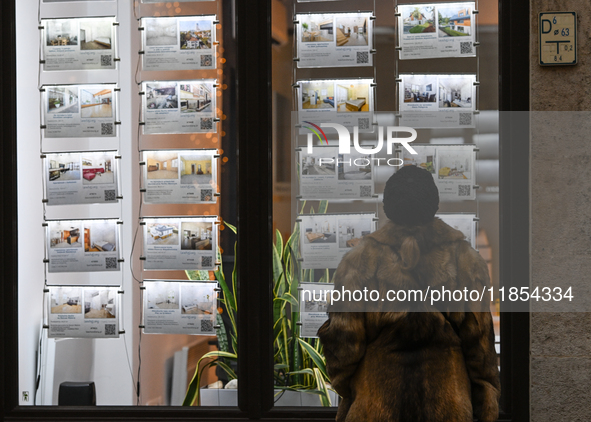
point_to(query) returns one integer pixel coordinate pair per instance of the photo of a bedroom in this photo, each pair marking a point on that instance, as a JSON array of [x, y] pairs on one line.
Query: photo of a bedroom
[[66, 300], [354, 167], [455, 92], [317, 28], [195, 34], [455, 164], [161, 96], [420, 89], [96, 103], [63, 235], [311, 164], [62, 100], [63, 167], [197, 236], [162, 295], [97, 169], [351, 231], [162, 165], [197, 299], [320, 231], [162, 234], [351, 32], [352, 97], [100, 236], [95, 34], [317, 95], [196, 98], [196, 169], [161, 31], [61, 32], [100, 303]]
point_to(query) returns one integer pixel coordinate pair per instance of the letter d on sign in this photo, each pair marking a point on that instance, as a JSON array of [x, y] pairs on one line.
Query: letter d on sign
[[402, 141]]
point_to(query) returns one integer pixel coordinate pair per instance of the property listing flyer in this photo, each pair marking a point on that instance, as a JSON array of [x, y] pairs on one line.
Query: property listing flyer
[[348, 102], [334, 40], [187, 243], [326, 238], [172, 307], [83, 312], [464, 222], [437, 30], [452, 167], [81, 178], [180, 177], [326, 174], [437, 101], [179, 43], [78, 43], [179, 106], [314, 301], [83, 245], [79, 111]]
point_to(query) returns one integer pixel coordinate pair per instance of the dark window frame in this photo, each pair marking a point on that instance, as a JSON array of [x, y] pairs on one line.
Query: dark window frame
[[254, 217]]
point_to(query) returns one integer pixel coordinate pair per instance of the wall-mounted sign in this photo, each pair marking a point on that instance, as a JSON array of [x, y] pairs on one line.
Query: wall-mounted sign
[[558, 38]]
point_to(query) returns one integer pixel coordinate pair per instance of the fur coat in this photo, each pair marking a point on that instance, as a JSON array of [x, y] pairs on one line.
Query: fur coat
[[431, 366]]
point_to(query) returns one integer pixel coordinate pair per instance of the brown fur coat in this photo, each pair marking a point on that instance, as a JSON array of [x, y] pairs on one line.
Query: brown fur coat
[[427, 366]]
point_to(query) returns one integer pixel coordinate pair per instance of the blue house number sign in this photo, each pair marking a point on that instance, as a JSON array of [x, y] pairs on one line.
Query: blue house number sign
[[558, 38]]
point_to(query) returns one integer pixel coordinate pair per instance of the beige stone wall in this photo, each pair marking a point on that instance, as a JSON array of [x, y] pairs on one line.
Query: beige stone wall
[[561, 221]]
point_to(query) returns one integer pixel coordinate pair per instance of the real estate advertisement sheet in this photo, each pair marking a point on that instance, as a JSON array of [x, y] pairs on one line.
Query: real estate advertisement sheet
[[334, 40], [188, 243], [437, 30], [178, 43], [81, 178], [437, 101], [314, 301], [83, 245], [464, 222], [179, 107], [180, 177], [326, 174], [78, 43], [83, 312], [179, 307], [326, 238]]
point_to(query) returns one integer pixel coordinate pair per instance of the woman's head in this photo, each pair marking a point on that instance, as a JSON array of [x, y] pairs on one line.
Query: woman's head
[[411, 197]]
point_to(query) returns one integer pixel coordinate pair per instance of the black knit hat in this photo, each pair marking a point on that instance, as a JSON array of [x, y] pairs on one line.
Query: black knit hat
[[411, 197]]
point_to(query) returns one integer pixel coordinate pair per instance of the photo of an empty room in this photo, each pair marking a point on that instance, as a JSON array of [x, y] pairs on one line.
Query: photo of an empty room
[[162, 165], [100, 236], [95, 34], [63, 167], [312, 165], [317, 95], [62, 100], [162, 234], [351, 32], [64, 235], [196, 169], [197, 299], [97, 169], [162, 295], [161, 31], [66, 300], [420, 89], [455, 91], [61, 32], [317, 28], [96, 103], [100, 303], [161, 96], [352, 97], [195, 34], [196, 98], [197, 236]]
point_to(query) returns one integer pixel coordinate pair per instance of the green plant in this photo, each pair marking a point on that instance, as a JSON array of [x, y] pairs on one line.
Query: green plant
[[305, 26], [299, 364]]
